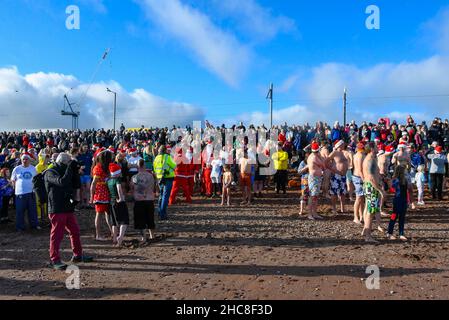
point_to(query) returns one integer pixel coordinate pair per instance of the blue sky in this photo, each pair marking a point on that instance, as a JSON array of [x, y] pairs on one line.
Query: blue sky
[[215, 59]]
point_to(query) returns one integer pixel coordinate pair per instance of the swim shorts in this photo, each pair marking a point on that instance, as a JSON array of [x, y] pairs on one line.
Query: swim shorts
[[245, 180], [358, 185], [349, 175], [315, 185], [372, 198], [338, 185]]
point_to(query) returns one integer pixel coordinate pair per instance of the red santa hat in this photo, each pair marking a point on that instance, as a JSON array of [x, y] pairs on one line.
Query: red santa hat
[[389, 150], [338, 144], [132, 150], [115, 169], [380, 151], [439, 149], [26, 155], [112, 149], [100, 150], [402, 145], [315, 147]]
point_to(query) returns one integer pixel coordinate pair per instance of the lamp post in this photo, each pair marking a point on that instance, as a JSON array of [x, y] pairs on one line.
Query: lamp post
[[345, 101], [115, 104]]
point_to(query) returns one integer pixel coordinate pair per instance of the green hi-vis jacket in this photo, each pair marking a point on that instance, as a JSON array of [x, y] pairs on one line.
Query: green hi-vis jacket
[[164, 163]]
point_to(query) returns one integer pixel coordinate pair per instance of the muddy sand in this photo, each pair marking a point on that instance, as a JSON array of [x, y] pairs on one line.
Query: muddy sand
[[262, 251]]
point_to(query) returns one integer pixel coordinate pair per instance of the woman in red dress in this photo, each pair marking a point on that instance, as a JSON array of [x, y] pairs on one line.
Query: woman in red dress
[[99, 192]]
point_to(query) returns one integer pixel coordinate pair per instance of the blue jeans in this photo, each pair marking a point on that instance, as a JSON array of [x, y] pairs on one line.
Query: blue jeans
[[165, 190], [26, 202]]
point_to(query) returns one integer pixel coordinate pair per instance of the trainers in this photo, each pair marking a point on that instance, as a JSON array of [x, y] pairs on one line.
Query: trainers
[[84, 259], [60, 266]]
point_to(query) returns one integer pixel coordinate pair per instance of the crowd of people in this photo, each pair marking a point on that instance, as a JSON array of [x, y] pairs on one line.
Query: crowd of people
[[52, 175]]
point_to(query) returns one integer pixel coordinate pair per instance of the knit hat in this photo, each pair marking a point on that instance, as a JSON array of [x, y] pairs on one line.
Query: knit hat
[[115, 169]]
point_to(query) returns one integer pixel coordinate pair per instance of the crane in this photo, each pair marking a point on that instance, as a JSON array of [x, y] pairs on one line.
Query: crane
[[68, 111]]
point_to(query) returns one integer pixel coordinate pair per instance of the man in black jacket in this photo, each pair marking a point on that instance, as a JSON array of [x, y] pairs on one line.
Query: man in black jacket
[[61, 207]]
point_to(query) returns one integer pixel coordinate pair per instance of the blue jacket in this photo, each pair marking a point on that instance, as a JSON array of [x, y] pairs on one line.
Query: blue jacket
[[335, 135]]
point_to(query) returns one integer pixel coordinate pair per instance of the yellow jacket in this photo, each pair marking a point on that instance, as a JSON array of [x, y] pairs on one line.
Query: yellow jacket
[[41, 167], [280, 159], [164, 164]]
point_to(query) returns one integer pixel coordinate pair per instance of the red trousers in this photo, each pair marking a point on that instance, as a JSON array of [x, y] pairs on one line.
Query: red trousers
[[207, 181], [59, 223], [192, 185], [178, 184]]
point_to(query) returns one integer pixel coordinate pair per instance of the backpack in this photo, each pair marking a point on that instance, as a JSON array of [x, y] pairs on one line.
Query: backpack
[[39, 187]]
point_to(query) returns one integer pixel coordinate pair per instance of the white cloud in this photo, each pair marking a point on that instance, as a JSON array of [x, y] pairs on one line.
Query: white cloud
[[35, 101], [406, 79], [374, 91], [253, 19], [216, 50], [288, 84], [296, 114]]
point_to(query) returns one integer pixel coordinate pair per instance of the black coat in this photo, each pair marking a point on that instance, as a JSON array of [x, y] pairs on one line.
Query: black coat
[[58, 183]]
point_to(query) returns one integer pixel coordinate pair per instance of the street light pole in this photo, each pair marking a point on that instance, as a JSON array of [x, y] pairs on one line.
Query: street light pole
[[344, 106], [115, 104]]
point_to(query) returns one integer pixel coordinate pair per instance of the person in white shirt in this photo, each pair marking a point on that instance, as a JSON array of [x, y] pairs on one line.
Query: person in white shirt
[[419, 180], [22, 179], [217, 170], [133, 162]]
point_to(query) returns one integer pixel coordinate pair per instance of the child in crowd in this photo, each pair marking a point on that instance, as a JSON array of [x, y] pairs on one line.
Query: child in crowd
[[120, 215], [259, 178], [227, 182], [303, 171], [420, 181], [400, 202], [217, 167], [143, 186]]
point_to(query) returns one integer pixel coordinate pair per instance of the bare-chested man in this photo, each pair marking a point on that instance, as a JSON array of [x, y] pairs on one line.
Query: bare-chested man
[[373, 190], [350, 156], [402, 158], [316, 165], [338, 164], [357, 180], [324, 152]]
